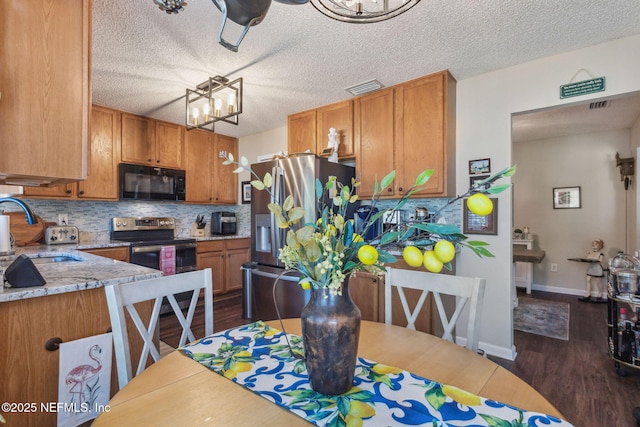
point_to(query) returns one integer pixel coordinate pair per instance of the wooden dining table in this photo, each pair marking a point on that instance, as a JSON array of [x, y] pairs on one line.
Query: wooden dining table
[[180, 391]]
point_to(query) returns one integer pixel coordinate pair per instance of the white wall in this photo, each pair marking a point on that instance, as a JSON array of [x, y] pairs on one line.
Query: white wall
[[484, 107], [587, 161], [268, 142]]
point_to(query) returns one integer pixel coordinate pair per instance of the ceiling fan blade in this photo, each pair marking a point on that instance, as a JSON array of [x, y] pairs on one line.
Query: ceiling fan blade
[[293, 2]]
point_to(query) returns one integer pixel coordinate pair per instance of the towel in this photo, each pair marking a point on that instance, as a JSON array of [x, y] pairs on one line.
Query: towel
[[84, 379], [168, 260]]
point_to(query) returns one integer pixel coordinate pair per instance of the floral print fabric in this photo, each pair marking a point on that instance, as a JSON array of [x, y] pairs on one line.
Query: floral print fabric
[[258, 357]]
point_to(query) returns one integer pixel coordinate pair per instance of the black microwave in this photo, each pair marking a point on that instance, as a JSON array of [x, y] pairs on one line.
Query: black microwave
[[138, 182]]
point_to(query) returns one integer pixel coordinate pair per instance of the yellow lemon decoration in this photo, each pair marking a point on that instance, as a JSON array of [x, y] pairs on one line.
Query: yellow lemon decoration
[[381, 369], [368, 255], [412, 256], [361, 409], [461, 396], [480, 204], [353, 421], [432, 263], [445, 251], [236, 368]]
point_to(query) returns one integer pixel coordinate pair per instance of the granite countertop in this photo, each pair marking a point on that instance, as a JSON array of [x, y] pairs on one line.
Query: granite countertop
[[91, 271]]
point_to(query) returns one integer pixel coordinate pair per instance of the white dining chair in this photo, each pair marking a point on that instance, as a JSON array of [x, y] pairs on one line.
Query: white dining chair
[[126, 295], [468, 291]]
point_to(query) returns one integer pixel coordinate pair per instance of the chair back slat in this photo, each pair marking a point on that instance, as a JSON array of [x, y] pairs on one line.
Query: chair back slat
[[127, 295], [469, 292]]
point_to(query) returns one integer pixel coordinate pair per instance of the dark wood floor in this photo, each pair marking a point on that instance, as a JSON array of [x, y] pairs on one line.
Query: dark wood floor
[[576, 376]]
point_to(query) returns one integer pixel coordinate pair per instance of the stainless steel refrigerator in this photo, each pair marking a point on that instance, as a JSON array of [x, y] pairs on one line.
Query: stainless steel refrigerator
[[294, 176]]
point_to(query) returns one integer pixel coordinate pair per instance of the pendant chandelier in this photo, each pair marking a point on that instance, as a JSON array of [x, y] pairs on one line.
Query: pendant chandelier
[[363, 11], [216, 100]]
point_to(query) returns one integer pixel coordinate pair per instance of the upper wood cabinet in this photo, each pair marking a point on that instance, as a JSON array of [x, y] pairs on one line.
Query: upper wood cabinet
[[45, 91], [208, 180], [102, 182], [408, 128], [309, 130], [152, 142], [302, 132], [340, 117]]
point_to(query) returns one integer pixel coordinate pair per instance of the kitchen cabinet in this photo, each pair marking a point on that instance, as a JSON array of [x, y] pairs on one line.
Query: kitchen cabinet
[[120, 253], [102, 182], [309, 130], [152, 142], [29, 371], [418, 118], [45, 92], [225, 258], [208, 180], [301, 132]]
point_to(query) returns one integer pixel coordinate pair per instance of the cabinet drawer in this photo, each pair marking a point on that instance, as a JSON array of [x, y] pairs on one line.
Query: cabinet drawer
[[238, 243], [210, 246]]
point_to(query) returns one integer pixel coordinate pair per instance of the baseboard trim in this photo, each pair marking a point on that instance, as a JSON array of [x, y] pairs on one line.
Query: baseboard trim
[[492, 350], [557, 290]]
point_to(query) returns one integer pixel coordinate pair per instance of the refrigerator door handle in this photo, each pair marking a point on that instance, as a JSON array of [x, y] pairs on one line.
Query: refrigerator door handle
[[275, 198], [257, 272]]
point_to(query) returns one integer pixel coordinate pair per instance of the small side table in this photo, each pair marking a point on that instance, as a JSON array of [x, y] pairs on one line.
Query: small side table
[[524, 270]]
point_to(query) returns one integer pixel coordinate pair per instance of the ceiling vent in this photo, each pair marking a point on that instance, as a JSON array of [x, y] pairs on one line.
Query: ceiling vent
[[366, 87], [598, 105]]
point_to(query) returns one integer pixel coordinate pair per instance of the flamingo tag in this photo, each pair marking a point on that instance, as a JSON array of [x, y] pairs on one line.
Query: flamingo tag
[[84, 380]]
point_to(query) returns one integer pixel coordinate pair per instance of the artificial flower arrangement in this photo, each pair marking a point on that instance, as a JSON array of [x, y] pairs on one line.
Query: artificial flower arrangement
[[327, 251]]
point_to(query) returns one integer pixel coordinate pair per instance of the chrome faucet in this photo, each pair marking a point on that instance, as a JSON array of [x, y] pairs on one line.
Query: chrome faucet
[[31, 218]]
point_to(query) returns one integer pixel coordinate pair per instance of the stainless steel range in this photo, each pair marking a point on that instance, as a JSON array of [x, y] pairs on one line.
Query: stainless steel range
[[148, 236], [154, 245]]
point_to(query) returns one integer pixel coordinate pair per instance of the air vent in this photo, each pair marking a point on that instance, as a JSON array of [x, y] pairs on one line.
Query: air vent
[[366, 87], [598, 105]]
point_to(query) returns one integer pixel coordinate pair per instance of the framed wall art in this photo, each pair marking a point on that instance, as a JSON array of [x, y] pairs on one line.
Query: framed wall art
[[246, 192], [479, 166], [475, 178], [566, 198], [476, 224]]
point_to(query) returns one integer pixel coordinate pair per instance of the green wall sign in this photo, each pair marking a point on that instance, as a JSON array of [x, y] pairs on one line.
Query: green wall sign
[[582, 88]]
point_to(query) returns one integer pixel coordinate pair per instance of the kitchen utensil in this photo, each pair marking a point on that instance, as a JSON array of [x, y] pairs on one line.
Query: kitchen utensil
[[25, 234]]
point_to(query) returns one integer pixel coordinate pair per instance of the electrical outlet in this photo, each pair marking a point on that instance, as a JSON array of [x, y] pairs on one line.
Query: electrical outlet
[[63, 219], [554, 267]]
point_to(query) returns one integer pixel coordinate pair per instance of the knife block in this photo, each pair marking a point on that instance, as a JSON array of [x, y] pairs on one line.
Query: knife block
[[195, 231]]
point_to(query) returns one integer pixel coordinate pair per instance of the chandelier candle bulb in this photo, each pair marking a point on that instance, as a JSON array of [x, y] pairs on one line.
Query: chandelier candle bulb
[[218, 107], [195, 116], [205, 112], [232, 102]]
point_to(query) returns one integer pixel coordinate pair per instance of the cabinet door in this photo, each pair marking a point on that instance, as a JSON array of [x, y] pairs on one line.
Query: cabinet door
[[302, 132], [238, 253], [119, 254], [169, 145], [59, 191], [374, 135], [138, 139], [340, 117], [198, 166], [225, 182], [367, 292], [44, 79], [102, 182], [215, 261], [422, 134]]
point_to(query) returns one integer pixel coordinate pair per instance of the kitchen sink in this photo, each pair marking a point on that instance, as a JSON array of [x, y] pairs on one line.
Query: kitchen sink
[[46, 259], [55, 258]]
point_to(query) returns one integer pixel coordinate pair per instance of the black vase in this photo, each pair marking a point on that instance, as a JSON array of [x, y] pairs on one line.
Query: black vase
[[330, 333]]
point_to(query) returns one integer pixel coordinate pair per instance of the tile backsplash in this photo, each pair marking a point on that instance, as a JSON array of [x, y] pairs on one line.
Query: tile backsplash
[[93, 219]]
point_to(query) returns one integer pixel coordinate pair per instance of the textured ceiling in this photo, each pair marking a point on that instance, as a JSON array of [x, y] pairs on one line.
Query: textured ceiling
[[298, 59]]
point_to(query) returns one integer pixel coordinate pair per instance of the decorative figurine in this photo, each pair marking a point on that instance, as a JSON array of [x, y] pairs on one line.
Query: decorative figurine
[[595, 272], [333, 144]]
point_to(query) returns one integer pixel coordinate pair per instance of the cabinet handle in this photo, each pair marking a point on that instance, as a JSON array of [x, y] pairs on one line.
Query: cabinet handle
[[389, 189], [81, 192], [68, 191], [400, 189], [157, 161], [53, 344]]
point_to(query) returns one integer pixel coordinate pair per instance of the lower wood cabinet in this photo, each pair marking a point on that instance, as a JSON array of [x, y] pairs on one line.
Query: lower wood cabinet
[[225, 258], [29, 371], [367, 292], [120, 253]]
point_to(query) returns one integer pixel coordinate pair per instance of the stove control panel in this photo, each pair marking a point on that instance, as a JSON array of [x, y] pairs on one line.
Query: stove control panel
[[63, 234], [142, 223]]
